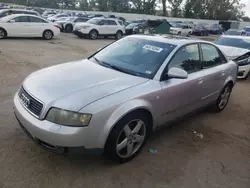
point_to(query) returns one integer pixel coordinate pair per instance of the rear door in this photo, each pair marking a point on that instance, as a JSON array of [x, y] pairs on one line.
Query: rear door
[[104, 28], [37, 26], [182, 96], [215, 70]]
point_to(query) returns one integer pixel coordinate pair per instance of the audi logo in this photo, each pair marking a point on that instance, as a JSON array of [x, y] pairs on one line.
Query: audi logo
[[25, 100]]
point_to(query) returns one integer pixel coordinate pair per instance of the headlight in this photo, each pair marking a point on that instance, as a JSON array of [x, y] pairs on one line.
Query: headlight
[[68, 118]]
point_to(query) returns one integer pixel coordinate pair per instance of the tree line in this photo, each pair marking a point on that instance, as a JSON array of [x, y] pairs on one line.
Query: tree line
[[199, 9]]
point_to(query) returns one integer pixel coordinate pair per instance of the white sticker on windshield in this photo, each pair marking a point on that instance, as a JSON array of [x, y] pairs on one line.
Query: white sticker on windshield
[[148, 72], [152, 48]]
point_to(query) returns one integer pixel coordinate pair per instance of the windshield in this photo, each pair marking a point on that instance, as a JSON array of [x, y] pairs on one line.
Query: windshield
[[232, 32], [234, 42], [132, 25], [94, 21], [247, 29], [136, 56], [176, 25]]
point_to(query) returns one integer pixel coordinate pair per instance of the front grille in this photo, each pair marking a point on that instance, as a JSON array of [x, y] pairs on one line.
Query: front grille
[[30, 103]]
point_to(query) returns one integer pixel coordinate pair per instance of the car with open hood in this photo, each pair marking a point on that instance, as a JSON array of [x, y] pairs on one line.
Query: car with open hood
[[112, 101], [69, 23], [237, 48]]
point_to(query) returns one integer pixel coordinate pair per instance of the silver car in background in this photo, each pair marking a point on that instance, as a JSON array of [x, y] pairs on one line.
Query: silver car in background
[[113, 100]]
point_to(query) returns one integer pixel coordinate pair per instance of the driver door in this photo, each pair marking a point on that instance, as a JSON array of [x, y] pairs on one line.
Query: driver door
[[18, 27], [182, 96]]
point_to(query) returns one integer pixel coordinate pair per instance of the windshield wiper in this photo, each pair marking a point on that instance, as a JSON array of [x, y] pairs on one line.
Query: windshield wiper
[[115, 67]]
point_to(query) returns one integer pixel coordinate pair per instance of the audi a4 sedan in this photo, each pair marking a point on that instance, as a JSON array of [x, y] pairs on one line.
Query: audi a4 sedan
[[112, 101]]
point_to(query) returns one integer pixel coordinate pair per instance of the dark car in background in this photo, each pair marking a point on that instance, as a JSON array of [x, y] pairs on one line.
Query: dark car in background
[[200, 30], [133, 28], [216, 29], [246, 31]]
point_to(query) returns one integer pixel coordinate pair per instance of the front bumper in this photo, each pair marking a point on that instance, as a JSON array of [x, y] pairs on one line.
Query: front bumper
[[243, 71], [56, 137]]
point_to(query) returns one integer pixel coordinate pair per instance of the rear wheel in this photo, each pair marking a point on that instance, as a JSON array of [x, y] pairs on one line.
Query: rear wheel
[[48, 34], [93, 34], [179, 33], [128, 137], [2, 33], [68, 28], [223, 99]]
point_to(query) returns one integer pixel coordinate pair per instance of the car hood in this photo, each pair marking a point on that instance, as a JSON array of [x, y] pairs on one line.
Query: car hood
[[233, 52], [74, 85]]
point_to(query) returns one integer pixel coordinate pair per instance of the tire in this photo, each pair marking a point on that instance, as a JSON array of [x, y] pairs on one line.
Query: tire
[[118, 35], [128, 137], [223, 98], [189, 34], [68, 28], [48, 34], [93, 34], [179, 33], [3, 33]]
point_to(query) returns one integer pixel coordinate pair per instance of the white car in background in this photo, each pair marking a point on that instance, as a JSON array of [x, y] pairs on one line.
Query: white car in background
[[23, 25], [68, 24], [56, 17], [180, 29], [237, 48], [100, 27]]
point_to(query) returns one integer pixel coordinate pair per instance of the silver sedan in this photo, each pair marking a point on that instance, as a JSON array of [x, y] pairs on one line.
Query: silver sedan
[[112, 101]]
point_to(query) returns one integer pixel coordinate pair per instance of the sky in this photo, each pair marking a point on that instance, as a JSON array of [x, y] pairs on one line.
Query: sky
[[247, 8]]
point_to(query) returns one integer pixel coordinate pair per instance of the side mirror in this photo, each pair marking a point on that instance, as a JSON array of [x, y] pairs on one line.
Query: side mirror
[[12, 21], [178, 73]]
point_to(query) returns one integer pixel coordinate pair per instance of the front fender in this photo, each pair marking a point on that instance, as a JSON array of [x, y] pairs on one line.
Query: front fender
[[121, 112]]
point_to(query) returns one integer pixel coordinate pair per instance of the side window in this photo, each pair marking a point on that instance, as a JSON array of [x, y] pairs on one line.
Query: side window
[[111, 22], [80, 20], [105, 22], [22, 19], [211, 56], [187, 58], [37, 20]]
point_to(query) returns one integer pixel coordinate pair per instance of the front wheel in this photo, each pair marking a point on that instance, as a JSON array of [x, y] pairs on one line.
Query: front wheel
[[2, 33], [93, 34], [128, 137], [48, 35], [223, 99]]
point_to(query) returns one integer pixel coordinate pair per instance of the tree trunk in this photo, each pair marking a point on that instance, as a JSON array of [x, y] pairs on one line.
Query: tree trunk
[[164, 8]]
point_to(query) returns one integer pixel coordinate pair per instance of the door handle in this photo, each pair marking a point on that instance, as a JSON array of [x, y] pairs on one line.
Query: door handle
[[200, 81]]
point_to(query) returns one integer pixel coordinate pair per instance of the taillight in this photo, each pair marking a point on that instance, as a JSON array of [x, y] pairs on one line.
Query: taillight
[[58, 26]]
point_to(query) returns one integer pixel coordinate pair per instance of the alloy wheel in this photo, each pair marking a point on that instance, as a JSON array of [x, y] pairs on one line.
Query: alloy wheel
[[119, 35], [48, 35], [2, 34], [224, 97], [131, 138], [93, 35]]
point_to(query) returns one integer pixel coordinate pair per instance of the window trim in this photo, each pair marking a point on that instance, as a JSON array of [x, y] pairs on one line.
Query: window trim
[[166, 68], [222, 56]]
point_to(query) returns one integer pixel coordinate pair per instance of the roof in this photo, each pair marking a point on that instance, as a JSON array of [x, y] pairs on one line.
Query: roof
[[236, 36], [178, 41], [6, 18]]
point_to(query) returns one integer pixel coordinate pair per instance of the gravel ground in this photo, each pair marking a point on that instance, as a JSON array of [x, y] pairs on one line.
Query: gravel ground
[[220, 159]]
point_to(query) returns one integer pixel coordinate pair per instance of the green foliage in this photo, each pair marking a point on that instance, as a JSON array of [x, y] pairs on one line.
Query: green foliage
[[200, 9]]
